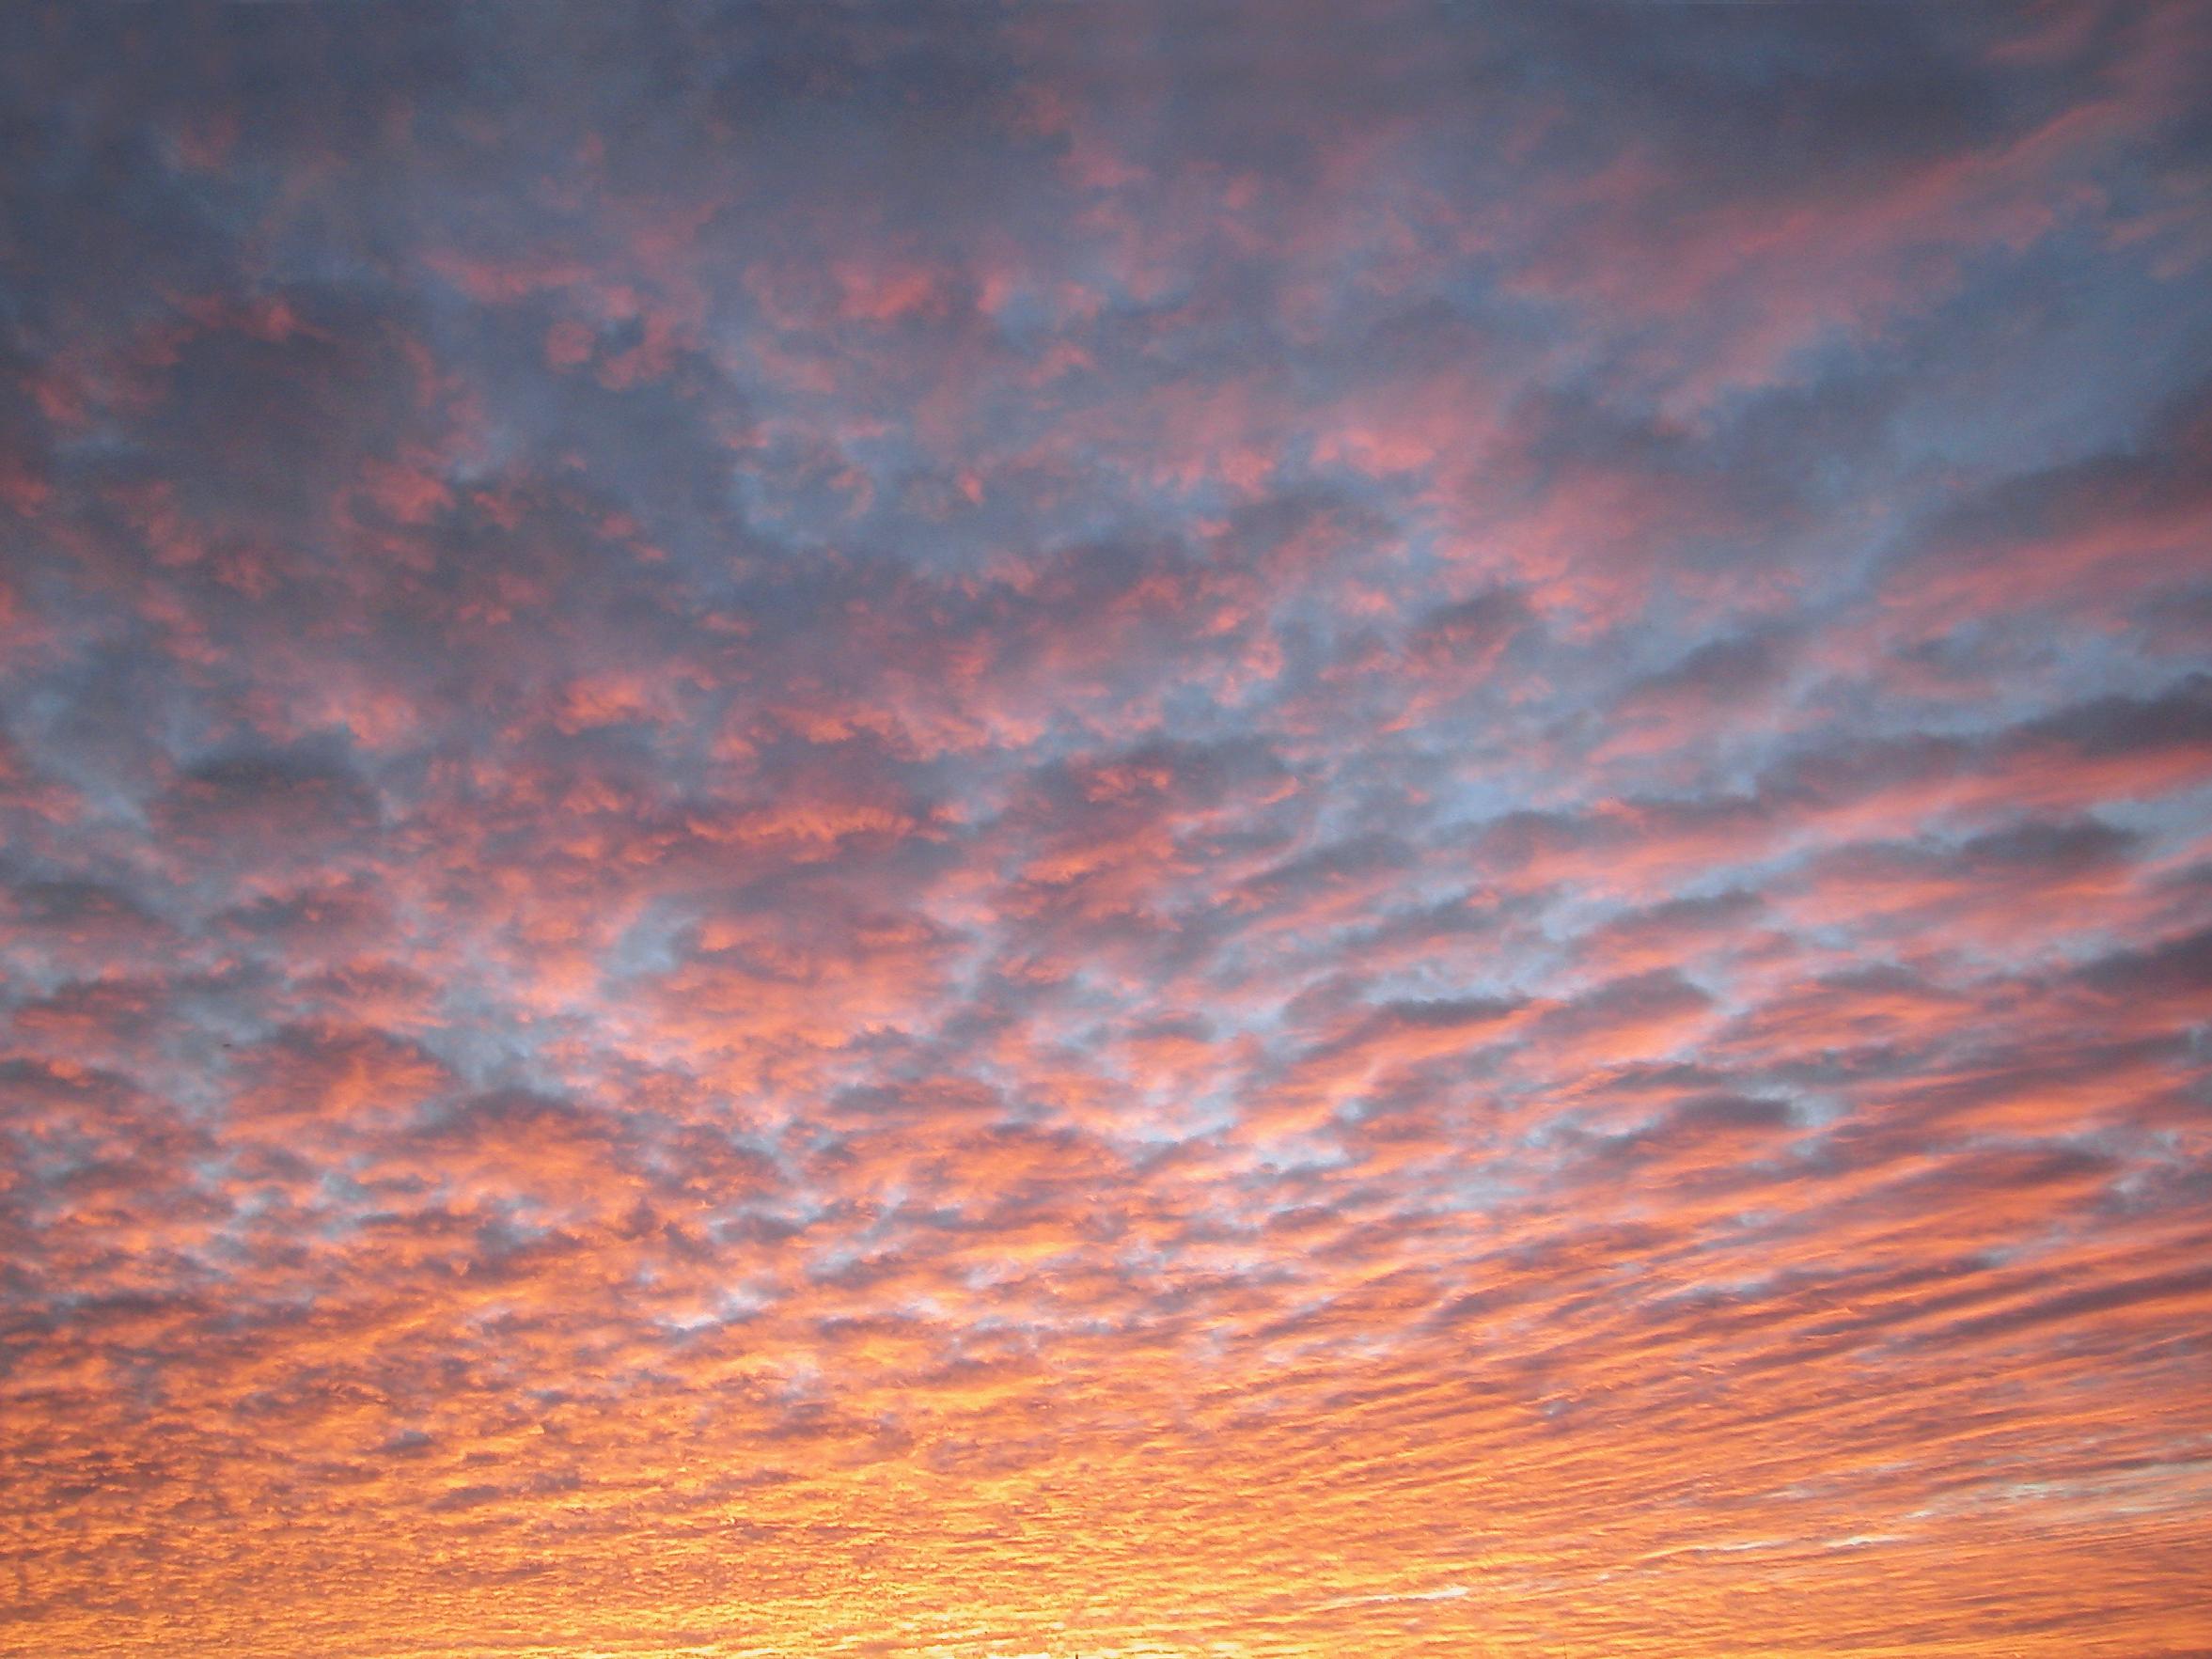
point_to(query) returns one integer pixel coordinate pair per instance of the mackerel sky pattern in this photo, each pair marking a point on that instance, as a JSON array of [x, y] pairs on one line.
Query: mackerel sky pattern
[[1106, 830]]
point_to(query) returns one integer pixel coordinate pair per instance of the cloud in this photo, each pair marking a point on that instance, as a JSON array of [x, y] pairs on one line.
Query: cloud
[[1123, 830]]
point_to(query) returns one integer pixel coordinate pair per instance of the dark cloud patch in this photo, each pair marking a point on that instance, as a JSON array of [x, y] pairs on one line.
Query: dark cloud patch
[[1661, 994], [1469, 632], [1731, 672], [272, 805], [2173, 969]]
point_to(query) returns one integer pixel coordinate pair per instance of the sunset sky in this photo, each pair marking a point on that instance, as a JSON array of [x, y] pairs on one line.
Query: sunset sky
[[1128, 830]]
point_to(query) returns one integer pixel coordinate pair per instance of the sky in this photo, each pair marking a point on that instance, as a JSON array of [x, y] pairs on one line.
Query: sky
[[1119, 830]]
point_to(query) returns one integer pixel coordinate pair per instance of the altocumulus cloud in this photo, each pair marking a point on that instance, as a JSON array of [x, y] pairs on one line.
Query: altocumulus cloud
[[1142, 829]]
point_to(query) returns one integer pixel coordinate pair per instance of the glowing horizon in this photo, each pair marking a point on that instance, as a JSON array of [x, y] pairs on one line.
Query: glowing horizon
[[1088, 830]]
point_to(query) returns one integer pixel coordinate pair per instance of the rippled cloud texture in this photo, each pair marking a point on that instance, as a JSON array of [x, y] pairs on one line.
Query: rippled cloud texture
[[1106, 830]]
